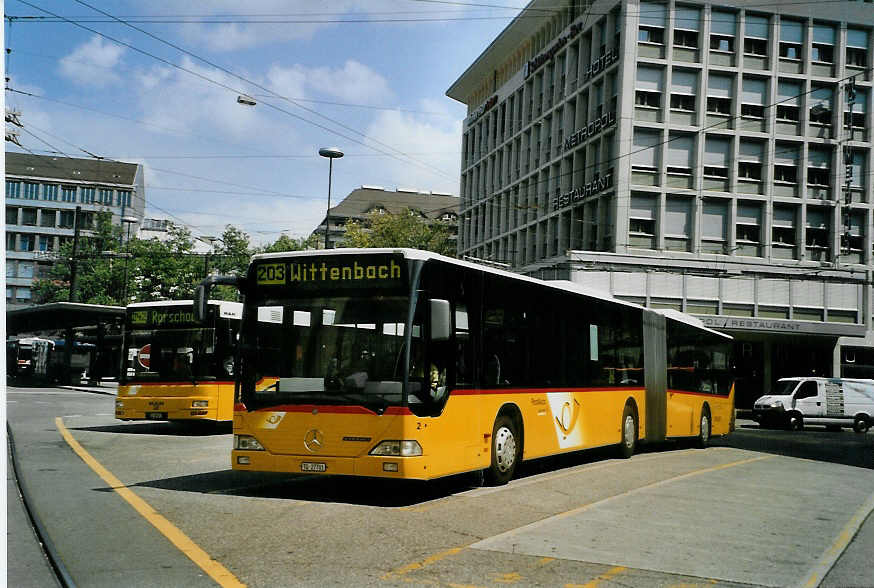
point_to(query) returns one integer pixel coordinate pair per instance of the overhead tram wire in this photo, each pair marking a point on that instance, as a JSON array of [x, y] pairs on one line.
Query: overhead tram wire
[[271, 92], [234, 90], [150, 203], [99, 158]]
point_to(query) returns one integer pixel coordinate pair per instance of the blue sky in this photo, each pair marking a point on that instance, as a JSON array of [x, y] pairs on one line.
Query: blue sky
[[378, 86]]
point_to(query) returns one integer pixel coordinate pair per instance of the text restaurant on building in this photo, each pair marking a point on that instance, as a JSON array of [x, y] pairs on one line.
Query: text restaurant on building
[[714, 158]]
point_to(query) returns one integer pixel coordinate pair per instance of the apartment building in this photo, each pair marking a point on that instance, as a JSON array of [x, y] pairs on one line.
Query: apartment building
[[714, 158], [361, 202], [42, 193]]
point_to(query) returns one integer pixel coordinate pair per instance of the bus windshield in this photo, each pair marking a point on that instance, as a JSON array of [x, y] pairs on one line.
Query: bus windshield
[[345, 350], [184, 354]]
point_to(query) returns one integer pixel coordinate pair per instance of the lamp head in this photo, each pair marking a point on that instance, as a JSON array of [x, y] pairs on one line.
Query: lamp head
[[330, 152]]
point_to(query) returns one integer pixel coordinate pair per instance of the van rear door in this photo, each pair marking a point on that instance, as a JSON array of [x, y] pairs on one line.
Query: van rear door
[[809, 398]]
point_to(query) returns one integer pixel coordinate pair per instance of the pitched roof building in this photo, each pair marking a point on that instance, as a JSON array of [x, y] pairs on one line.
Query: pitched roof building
[[42, 195], [363, 201]]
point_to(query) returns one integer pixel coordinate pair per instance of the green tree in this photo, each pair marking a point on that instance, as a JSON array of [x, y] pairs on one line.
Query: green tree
[[230, 255], [286, 243], [404, 229], [147, 269], [164, 270], [99, 267]]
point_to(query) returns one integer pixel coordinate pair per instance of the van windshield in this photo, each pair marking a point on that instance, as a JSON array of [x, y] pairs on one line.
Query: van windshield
[[784, 388]]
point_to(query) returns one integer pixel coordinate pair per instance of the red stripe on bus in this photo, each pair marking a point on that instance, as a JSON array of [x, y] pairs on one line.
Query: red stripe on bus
[[327, 408], [480, 392], [189, 383], [690, 393]]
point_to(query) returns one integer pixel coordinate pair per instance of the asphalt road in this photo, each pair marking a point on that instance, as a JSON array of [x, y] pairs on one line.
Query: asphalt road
[[774, 508]]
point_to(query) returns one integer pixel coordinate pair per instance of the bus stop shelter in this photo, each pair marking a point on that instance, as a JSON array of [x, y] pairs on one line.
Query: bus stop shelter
[[66, 317]]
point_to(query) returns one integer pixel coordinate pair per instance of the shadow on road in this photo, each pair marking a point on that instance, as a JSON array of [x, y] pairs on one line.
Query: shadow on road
[[844, 447], [369, 491], [179, 429], [361, 491]]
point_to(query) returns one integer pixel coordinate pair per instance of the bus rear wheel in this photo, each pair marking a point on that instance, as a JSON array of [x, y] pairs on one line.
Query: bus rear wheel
[[704, 430], [629, 432], [505, 451], [861, 424]]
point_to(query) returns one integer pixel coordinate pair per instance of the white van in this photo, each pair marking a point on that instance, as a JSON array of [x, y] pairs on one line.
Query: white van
[[832, 402]]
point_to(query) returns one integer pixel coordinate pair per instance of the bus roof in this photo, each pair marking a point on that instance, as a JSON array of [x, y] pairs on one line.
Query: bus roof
[[565, 285]]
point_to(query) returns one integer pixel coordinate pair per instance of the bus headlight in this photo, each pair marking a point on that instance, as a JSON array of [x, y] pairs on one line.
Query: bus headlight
[[247, 443], [406, 448], [199, 403], [119, 404]]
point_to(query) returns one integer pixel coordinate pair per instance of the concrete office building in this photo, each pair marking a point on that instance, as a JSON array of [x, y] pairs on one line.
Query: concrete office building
[[714, 158], [42, 193]]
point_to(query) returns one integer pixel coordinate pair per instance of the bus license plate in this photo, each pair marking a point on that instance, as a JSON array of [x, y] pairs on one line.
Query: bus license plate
[[159, 416], [313, 467]]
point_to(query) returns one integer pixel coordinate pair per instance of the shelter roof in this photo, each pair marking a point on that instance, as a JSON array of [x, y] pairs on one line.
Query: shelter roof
[[60, 315]]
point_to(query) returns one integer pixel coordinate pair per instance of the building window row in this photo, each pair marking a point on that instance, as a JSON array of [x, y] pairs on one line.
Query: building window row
[[791, 162], [812, 238], [86, 195], [18, 295], [793, 36], [48, 218]]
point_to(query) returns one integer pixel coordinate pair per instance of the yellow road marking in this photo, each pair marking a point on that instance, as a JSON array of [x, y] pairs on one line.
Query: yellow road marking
[[831, 555], [605, 576], [419, 565], [508, 578], [214, 569]]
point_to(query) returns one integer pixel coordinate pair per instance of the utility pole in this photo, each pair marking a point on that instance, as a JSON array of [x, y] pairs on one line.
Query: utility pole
[[73, 261]]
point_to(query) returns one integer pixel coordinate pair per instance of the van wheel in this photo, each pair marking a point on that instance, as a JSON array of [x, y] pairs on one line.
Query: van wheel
[[796, 422], [505, 451], [629, 433], [861, 424], [704, 430]]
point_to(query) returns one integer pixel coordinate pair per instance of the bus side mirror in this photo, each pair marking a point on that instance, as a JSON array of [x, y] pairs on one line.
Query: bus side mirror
[[201, 294], [441, 325], [200, 297]]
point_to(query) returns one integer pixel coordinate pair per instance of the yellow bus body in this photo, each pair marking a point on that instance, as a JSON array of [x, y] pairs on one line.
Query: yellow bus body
[[459, 440], [206, 401]]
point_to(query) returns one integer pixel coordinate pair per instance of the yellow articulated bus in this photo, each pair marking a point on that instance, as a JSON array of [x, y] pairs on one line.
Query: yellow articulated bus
[[407, 364], [176, 368]]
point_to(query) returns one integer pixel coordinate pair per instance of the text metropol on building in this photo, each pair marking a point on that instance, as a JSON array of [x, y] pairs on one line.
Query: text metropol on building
[[714, 158]]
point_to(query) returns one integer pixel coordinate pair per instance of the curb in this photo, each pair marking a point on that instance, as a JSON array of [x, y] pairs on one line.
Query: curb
[[105, 392]]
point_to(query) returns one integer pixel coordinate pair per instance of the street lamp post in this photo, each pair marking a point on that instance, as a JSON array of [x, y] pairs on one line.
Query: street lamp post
[[331, 153], [128, 220]]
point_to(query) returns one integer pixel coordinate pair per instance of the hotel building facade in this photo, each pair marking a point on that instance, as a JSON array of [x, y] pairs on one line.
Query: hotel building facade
[[714, 158]]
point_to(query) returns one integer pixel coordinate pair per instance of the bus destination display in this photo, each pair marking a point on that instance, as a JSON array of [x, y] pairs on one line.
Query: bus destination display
[[346, 271]]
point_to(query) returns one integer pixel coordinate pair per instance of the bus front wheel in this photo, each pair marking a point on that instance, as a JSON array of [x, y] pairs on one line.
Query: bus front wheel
[[629, 432], [505, 451]]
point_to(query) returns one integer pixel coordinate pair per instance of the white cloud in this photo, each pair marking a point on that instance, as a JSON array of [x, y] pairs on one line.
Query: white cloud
[[176, 99], [94, 63], [435, 147], [354, 82], [302, 19]]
